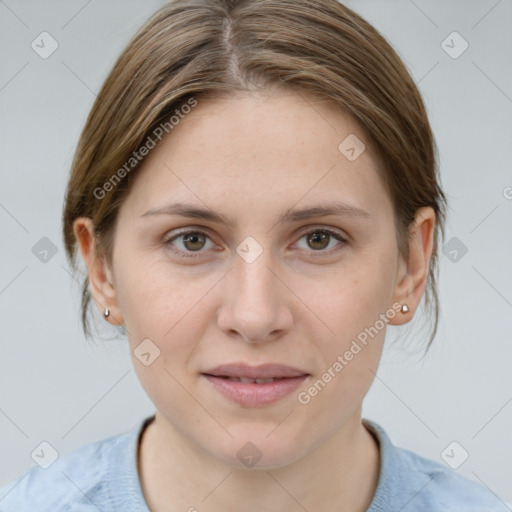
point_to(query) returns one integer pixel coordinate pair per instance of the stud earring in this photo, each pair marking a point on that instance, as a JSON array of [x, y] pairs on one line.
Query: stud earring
[[405, 308], [106, 313]]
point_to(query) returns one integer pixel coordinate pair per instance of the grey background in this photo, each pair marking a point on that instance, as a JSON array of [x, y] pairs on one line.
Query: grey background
[[56, 387]]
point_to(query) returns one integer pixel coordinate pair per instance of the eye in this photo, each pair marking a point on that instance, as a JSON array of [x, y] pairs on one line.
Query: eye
[[319, 238], [193, 241]]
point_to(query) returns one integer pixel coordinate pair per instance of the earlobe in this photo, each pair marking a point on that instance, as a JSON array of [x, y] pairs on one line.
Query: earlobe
[[413, 274], [101, 281]]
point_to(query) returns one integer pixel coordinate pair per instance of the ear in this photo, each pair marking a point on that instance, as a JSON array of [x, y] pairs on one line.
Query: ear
[[101, 279], [412, 276]]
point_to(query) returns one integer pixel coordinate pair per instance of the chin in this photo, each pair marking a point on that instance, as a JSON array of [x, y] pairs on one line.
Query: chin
[[254, 448]]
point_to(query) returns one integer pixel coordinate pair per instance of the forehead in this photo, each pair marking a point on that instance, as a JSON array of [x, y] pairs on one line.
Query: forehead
[[269, 149]]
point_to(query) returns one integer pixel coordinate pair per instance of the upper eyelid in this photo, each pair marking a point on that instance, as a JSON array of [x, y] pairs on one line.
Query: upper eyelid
[[205, 230]]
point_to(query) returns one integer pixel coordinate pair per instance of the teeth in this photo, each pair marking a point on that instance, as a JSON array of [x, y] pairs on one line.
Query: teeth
[[250, 381]]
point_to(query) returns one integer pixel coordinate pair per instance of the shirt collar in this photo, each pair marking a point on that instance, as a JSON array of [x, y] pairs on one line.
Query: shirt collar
[[393, 474]]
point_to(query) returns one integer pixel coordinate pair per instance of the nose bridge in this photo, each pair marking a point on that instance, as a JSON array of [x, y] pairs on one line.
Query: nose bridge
[[253, 280], [252, 304]]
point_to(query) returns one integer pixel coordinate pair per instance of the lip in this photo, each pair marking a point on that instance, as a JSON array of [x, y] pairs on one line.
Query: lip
[[262, 371], [253, 394]]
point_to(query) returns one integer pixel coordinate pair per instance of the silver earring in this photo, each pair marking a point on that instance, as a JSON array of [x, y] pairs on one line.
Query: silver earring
[[405, 308], [106, 312]]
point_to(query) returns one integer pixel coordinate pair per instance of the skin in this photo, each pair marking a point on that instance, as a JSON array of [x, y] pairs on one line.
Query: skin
[[252, 156]]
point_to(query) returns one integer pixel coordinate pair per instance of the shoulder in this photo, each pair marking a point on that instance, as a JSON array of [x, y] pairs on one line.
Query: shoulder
[[415, 483], [80, 481], [448, 489]]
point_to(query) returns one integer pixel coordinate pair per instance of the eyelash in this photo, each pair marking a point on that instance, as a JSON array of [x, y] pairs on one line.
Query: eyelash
[[190, 254]]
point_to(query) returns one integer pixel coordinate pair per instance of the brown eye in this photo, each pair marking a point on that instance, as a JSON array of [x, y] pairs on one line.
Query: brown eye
[[319, 239], [194, 241], [191, 242]]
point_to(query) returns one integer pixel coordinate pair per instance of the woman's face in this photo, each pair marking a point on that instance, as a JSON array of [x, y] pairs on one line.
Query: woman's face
[[258, 290]]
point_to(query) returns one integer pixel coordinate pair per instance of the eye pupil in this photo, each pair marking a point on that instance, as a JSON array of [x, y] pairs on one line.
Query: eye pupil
[[193, 236], [319, 236]]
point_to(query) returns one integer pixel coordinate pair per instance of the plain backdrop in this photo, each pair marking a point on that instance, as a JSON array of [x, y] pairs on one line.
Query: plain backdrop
[[56, 387]]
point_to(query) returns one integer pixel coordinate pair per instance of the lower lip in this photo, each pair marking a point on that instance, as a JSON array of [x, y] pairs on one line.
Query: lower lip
[[252, 394]]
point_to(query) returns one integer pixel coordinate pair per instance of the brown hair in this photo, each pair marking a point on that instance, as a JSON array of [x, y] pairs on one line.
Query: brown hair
[[208, 48]]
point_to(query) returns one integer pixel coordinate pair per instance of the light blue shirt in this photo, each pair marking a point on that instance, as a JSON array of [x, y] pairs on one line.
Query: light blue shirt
[[102, 476]]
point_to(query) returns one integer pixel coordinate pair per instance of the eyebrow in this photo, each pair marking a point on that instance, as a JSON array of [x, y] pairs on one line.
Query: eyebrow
[[290, 215]]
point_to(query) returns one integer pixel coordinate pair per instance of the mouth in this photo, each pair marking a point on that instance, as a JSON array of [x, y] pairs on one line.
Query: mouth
[[254, 386], [246, 380], [261, 372]]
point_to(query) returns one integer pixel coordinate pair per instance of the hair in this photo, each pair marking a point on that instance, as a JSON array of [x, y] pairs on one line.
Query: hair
[[192, 49]]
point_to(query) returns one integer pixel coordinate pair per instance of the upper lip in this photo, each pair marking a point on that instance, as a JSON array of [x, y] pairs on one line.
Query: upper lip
[[262, 371]]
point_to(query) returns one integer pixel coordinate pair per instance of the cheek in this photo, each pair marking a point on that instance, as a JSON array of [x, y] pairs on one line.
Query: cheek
[[350, 361], [172, 312], [351, 298], [155, 297], [352, 309]]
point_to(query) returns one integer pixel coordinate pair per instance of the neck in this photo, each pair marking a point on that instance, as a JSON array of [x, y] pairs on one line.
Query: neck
[[340, 474]]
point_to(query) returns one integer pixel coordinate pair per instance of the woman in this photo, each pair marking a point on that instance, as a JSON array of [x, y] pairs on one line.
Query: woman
[[255, 196]]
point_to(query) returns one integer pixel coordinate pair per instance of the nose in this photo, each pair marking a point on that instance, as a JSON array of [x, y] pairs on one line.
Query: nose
[[255, 305]]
